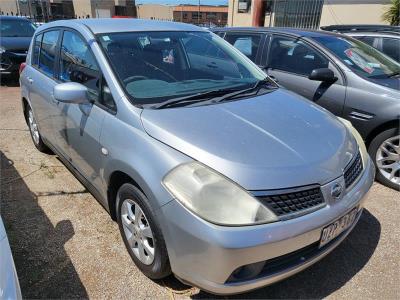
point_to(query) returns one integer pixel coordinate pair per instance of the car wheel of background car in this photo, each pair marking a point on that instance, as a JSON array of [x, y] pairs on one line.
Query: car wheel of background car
[[34, 130], [141, 233], [385, 151]]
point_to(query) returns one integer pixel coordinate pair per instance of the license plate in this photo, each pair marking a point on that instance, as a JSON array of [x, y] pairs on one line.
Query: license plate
[[333, 230]]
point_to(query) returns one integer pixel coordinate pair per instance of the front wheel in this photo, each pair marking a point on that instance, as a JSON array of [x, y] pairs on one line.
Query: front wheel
[[385, 151], [141, 233]]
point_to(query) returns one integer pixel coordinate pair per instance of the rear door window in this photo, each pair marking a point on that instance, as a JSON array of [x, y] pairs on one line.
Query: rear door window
[[248, 44], [36, 50], [370, 40], [48, 52], [391, 47]]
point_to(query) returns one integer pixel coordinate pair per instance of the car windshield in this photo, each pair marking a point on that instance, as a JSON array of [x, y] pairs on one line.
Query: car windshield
[[361, 58], [154, 67], [16, 28]]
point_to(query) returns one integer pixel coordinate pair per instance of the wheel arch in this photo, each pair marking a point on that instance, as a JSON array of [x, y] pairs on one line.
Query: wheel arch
[[116, 179], [382, 127]]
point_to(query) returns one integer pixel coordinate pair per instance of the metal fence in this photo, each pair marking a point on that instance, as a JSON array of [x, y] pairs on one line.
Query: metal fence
[[299, 13]]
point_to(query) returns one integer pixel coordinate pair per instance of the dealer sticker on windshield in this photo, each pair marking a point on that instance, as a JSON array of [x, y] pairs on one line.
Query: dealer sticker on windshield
[[336, 228]]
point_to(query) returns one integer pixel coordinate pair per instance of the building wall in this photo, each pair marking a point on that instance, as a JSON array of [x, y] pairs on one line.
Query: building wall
[[82, 8], [205, 14], [236, 18], [155, 11], [352, 13], [333, 12], [8, 6]]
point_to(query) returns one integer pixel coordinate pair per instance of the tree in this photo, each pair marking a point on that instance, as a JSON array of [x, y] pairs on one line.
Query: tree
[[392, 14]]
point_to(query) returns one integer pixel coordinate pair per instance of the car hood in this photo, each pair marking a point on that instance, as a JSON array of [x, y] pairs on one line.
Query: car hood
[[272, 141], [15, 43]]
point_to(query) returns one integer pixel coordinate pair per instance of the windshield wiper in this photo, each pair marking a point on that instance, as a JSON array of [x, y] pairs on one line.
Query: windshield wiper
[[214, 96], [191, 98], [394, 74], [259, 84]]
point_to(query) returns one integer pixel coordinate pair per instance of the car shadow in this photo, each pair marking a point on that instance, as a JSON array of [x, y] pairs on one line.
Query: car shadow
[[43, 266], [7, 81], [321, 279]]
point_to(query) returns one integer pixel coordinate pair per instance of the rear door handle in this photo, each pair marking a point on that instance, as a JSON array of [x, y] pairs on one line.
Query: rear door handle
[[30, 80]]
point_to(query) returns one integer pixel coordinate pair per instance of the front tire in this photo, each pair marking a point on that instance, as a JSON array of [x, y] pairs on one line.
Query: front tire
[[385, 152], [34, 131], [141, 232]]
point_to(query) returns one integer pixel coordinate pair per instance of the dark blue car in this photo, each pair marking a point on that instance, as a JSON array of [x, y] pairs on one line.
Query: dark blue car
[[15, 36]]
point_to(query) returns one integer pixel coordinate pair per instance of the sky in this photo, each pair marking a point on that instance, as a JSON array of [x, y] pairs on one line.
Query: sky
[[176, 2]]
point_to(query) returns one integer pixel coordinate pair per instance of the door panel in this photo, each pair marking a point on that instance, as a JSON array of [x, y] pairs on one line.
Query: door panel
[[40, 93], [83, 128], [79, 125], [40, 78], [292, 60]]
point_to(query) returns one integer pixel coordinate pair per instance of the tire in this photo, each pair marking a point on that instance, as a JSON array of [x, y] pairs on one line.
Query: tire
[[380, 157], [34, 131], [155, 264]]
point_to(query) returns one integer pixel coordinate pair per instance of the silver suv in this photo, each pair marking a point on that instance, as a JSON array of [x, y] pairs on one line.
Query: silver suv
[[212, 172]]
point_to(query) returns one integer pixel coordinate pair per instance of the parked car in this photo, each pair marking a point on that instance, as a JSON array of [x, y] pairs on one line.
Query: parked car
[[211, 171], [347, 77], [9, 284], [361, 27], [387, 43], [15, 36]]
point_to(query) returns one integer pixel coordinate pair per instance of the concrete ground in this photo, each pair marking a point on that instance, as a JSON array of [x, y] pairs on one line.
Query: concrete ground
[[66, 246]]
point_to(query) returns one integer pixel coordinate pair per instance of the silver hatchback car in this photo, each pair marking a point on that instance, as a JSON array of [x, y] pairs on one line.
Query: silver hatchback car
[[212, 172]]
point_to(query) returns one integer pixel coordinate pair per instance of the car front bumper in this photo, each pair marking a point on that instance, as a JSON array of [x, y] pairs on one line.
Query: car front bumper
[[205, 255]]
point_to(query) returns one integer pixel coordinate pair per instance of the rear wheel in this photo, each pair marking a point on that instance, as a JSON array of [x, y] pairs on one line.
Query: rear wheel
[[34, 130], [385, 151], [141, 233]]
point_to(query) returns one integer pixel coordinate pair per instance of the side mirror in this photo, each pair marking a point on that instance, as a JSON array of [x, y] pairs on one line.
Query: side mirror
[[71, 92], [323, 74]]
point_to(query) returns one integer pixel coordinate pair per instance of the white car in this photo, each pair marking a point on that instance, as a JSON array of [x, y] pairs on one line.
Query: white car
[[9, 285]]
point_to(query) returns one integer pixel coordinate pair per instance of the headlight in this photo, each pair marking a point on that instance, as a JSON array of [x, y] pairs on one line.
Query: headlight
[[215, 198], [2, 50], [359, 139]]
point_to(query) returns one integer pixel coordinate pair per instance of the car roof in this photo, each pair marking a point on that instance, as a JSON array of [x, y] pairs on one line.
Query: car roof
[[109, 25], [13, 18], [361, 27], [374, 33], [288, 30]]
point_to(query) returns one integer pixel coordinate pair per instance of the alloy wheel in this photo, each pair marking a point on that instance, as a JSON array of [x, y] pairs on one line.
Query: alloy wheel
[[388, 159], [137, 231], [33, 127]]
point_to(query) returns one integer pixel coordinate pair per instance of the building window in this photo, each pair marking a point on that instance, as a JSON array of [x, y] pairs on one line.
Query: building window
[[244, 6], [211, 15]]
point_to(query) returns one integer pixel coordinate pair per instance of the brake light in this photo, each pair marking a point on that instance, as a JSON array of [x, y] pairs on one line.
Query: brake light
[[21, 67]]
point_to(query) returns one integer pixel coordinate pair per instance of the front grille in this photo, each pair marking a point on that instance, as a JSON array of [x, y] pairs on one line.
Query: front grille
[[353, 170], [285, 203]]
